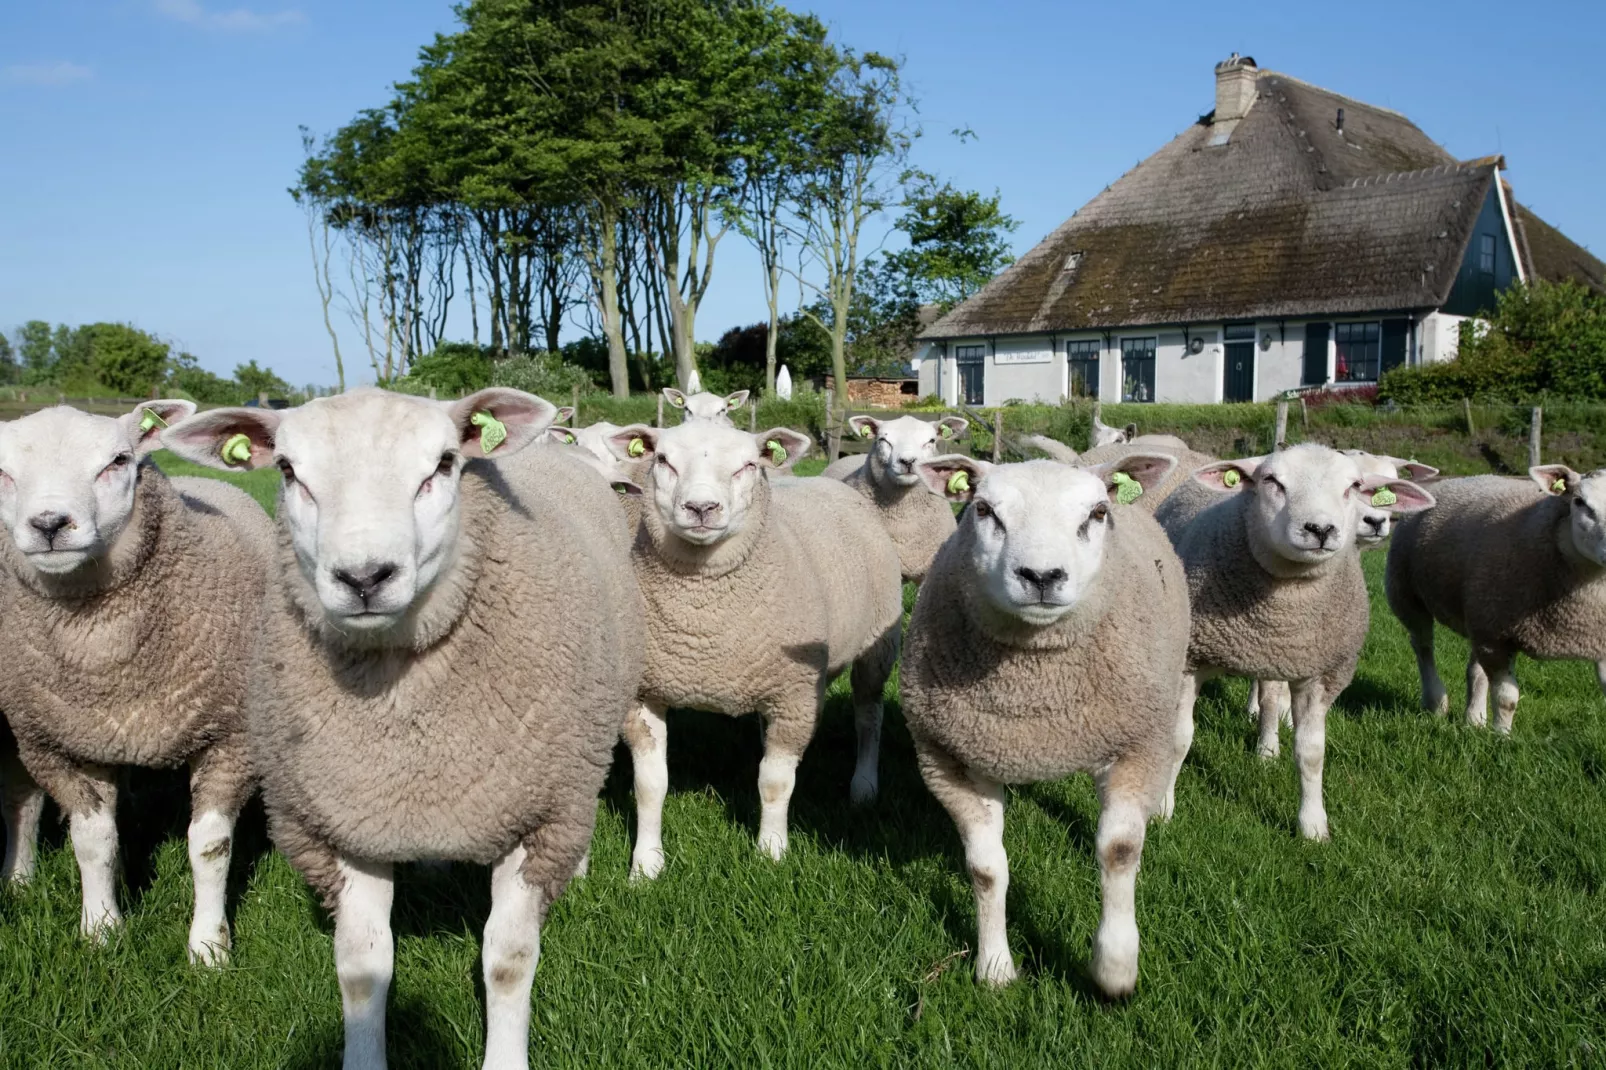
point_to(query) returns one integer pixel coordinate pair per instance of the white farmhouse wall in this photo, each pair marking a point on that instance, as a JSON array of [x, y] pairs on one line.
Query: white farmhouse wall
[[1023, 368], [930, 369], [1181, 376], [1440, 336]]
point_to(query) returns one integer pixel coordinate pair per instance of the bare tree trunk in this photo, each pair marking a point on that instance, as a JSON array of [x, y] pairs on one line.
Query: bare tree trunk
[[326, 287], [608, 278]]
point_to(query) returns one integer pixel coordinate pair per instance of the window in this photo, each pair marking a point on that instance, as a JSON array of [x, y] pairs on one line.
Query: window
[[1486, 253], [972, 367], [1137, 369], [1082, 368], [1359, 352]]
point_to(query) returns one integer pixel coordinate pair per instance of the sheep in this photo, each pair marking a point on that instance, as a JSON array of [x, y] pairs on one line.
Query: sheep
[[1050, 637], [916, 521], [1051, 448], [449, 649], [1104, 435], [1375, 522], [116, 652], [704, 406], [1515, 566], [1274, 578], [758, 593], [1187, 461], [22, 803]]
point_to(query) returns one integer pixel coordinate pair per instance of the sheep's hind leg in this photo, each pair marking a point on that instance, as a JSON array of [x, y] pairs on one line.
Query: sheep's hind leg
[[1477, 693], [220, 782], [1181, 740], [1310, 753], [22, 802], [977, 807], [1120, 849], [647, 734], [870, 674], [93, 829], [511, 950], [1498, 668], [365, 959], [786, 734], [1276, 709], [1435, 697]]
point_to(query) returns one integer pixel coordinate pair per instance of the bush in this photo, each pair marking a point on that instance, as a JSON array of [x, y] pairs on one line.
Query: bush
[[454, 369], [547, 375]]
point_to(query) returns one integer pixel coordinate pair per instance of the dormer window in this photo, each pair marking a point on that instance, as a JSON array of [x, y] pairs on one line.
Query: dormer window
[[1072, 262]]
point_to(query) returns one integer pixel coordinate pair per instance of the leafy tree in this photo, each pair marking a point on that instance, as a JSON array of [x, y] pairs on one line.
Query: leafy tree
[[10, 371], [255, 381], [36, 349], [958, 240], [188, 377], [124, 358]]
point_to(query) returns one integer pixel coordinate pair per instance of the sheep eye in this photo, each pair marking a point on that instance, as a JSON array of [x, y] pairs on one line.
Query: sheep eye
[[447, 462], [1100, 511], [983, 510], [287, 470], [120, 461]]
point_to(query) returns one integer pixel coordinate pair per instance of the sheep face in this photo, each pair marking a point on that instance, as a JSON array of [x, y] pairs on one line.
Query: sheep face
[[705, 406], [371, 485], [67, 480], [903, 443], [1036, 532], [1376, 521], [1586, 496], [1306, 503], [1104, 435], [704, 476]]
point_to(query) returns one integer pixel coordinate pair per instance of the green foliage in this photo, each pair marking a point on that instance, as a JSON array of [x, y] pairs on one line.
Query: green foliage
[[1544, 339], [958, 240], [547, 375], [453, 369], [255, 381], [125, 358], [10, 370]]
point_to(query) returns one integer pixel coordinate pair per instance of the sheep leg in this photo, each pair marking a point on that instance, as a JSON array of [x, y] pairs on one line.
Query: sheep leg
[[511, 950], [1120, 848], [870, 674], [1276, 710], [93, 828], [647, 734], [1498, 668], [1600, 675], [1181, 739], [22, 802], [1477, 693], [1310, 752], [219, 785], [365, 959], [977, 807]]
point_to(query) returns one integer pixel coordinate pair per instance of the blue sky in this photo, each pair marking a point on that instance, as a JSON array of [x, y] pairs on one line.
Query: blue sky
[[147, 144]]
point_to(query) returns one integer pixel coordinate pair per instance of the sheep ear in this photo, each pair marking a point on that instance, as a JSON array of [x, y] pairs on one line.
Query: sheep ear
[[951, 427], [1416, 473], [1555, 478], [781, 446], [1130, 431], [953, 475], [865, 426], [1406, 496], [565, 414], [230, 439], [674, 397], [559, 435], [499, 420], [736, 400], [632, 443], [145, 424], [1146, 470], [1228, 476]]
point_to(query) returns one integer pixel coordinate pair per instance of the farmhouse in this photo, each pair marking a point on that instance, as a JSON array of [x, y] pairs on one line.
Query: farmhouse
[[1291, 238]]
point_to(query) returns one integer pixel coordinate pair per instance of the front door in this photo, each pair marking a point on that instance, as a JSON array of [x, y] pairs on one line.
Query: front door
[[1239, 369]]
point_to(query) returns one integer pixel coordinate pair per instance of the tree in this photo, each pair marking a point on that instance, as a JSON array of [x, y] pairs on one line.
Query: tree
[[36, 351], [255, 381], [958, 240], [10, 371], [125, 358]]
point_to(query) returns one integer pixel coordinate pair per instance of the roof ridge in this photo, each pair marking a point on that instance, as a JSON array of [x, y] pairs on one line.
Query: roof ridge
[[1460, 167], [1335, 93]]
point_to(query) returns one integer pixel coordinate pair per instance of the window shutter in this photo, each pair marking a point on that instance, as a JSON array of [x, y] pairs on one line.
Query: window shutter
[[1395, 333], [1315, 354]]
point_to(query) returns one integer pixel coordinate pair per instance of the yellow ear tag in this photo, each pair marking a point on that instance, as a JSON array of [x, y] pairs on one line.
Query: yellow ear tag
[[636, 448], [150, 420], [1383, 496], [944, 431], [493, 432], [959, 482], [1127, 489], [865, 432], [1559, 487], [777, 452], [1231, 477], [568, 438], [237, 450]]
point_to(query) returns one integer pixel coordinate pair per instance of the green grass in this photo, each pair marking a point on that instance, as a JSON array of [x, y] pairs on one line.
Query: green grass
[[1456, 918], [262, 484]]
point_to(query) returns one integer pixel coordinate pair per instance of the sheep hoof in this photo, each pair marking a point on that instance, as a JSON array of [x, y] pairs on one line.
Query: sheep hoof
[[1115, 962], [1269, 751], [863, 790], [773, 845], [1168, 805], [584, 866], [1438, 705], [996, 971], [99, 930], [210, 953], [647, 865], [1314, 827]]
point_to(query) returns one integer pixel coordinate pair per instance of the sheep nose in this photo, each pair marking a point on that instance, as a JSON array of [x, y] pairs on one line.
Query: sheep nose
[[906, 463], [1323, 532], [49, 524], [366, 580], [1376, 522], [1043, 581], [703, 511]]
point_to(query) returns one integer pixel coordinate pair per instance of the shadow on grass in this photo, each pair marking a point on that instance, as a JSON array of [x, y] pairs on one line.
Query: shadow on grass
[[418, 1038]]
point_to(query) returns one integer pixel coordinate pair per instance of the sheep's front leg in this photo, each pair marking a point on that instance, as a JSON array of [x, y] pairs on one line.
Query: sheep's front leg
[[977, 807], [365, 959], [1122, 817], [1181, 740], [1435, 697], [93, 828], [219, 785], [1276, 710], [1506, 692], [647, 734], [1477, 694], [870, 674], [1310, 753], [512, 949], [22, 802]]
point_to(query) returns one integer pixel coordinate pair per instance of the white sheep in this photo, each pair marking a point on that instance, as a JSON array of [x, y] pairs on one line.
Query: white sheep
[[1275, 583], [1104, 435], [449, 650], [916, 521], [22, 803], [758, 594], [704, 406], [1516, 566], [1049, 638], [118, 651]]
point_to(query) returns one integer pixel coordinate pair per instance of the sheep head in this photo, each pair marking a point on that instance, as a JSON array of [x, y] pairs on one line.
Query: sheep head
[[1586, 502], [901, 444]]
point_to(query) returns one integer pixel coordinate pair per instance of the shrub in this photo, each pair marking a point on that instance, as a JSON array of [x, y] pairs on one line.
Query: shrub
[[547, 375], [454, 369]]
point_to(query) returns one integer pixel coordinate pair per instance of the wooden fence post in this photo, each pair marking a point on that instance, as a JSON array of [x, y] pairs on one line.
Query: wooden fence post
[[1280, 437], [574, 417], [1304, 417], [998, 435], [1533, 436], [660, 421], [752, 415], [1466, 407]]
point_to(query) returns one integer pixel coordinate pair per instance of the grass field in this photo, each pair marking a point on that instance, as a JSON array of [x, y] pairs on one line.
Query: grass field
[[1456, 918]]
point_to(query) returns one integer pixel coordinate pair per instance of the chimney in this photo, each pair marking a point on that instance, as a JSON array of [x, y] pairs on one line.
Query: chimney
[[1235, 87]]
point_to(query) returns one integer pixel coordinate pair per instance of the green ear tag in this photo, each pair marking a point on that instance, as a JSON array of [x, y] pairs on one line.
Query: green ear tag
[[1383, 496], [568, 438], [636, 448], [959, 482], [493, 432], [1127, 489], [944, 431], [237, 450], [1559, 487], [865, 432], [149, 420], [1231, 477], [777, 452]]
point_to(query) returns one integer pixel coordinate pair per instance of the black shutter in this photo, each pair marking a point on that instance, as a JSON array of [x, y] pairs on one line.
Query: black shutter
[[1315, 354], [1394, 335]]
